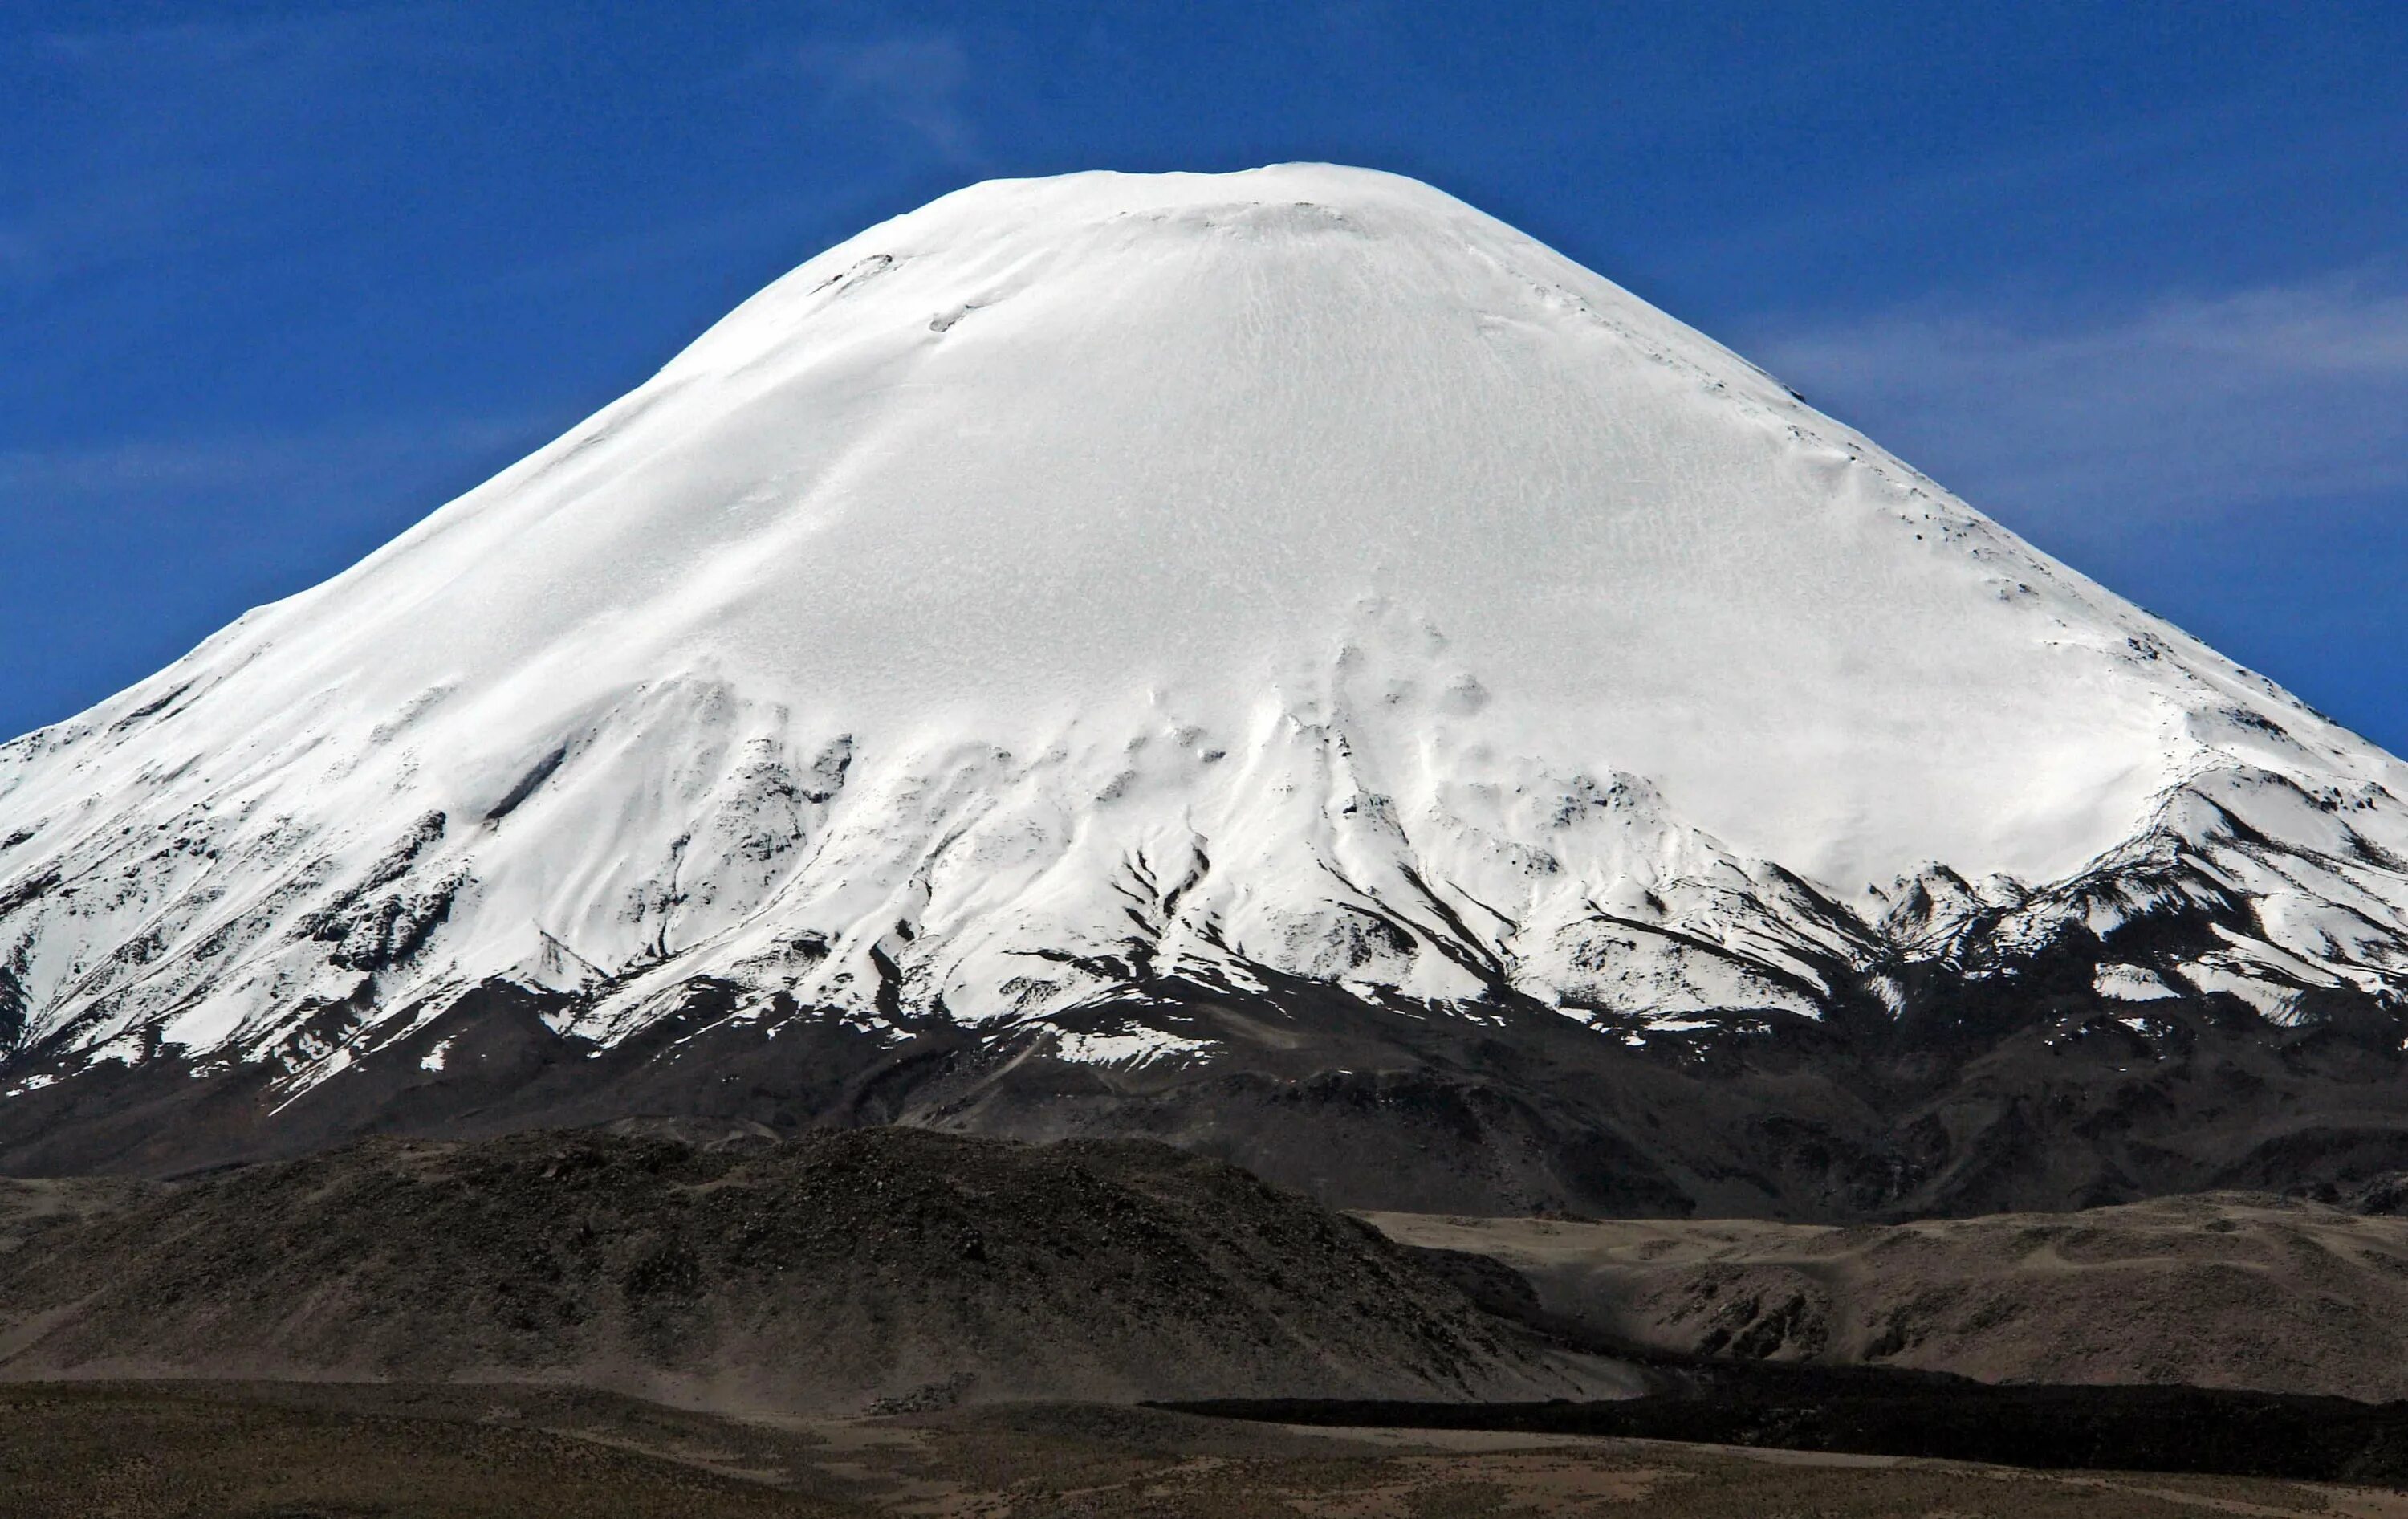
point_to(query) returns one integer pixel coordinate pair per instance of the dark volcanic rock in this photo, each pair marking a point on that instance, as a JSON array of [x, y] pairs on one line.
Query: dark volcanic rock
[[828, 1270], [2380, 1196], [1859, 1116]]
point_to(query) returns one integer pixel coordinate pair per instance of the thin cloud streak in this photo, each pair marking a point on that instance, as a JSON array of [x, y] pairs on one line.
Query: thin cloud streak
[[193, 45], [915, 82], [348, 460], [2193, 408], [161, 540], [132, 181]]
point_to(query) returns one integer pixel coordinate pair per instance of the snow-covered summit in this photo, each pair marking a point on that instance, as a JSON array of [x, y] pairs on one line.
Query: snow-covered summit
[[1081, 584]]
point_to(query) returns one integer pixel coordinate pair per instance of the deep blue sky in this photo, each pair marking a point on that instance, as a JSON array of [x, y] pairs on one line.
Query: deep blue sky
[[276, 280]]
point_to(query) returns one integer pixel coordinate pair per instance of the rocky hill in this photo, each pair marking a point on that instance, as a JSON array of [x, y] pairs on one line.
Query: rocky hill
[[838, 1271], [2235, 1290]]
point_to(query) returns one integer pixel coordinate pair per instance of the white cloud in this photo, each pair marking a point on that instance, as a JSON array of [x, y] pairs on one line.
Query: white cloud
[[2195, 406], [20, 259], [193, 44], [167, 137], [2336, 328], [915, 82], [340, 462]]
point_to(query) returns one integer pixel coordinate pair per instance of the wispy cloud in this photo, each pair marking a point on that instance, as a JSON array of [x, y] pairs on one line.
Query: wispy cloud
[[917, 82], [213, 44], [2201, 405], [20, 259], [342, 464], [117, 556], [2336, 328], [165, 127]]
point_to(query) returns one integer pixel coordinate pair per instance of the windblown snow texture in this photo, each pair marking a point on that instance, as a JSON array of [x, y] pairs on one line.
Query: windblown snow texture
[[1082, 599]]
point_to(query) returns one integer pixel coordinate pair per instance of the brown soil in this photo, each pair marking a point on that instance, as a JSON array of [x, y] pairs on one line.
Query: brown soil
[[150, 1452], [132, 1451], [2219, 1290], [826, 1272]]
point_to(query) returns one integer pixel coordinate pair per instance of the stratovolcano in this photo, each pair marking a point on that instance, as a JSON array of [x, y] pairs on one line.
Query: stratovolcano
[[1105, 652]]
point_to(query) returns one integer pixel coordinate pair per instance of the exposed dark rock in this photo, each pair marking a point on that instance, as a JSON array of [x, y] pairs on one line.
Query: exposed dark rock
[[826, 1270]]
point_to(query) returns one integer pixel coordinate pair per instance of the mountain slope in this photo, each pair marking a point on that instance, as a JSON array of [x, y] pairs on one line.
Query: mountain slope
[[2222, 1290], [1082, 603]]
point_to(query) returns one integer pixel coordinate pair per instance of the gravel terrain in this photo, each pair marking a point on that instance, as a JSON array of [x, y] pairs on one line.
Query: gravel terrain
[[2218, 1290], [514, 1452], [887, 1268]]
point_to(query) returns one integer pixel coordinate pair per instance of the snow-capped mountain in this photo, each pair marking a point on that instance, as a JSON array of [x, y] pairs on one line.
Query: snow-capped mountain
[[1082, 604]]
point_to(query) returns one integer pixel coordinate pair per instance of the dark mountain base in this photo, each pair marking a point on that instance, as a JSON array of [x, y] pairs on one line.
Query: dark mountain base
[[2063, 1102], [1875, 1413]]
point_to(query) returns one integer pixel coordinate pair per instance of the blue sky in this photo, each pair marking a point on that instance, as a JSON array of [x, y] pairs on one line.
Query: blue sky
[[278, 280]]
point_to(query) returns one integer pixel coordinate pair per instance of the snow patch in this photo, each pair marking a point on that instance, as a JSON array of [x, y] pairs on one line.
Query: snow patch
[[2275, 1002], [2131, 983], [1132, 1047]]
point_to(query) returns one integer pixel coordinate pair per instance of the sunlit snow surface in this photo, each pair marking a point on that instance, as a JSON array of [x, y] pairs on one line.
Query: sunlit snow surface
[[1087, 581], [2132, 983]]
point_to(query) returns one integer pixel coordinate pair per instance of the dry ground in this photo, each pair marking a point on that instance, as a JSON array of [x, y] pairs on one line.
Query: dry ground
[[822, 1274], [2215, 1290], [148, 1451]]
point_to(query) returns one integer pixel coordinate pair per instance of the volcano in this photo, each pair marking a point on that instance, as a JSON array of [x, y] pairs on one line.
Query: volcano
[[1276, 661]]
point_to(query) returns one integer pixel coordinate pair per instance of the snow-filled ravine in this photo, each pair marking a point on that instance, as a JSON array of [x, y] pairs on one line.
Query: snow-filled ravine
[[1112, 581]]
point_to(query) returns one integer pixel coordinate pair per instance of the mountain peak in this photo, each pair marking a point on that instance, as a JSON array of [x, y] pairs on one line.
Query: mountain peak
[[1078, 586]]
